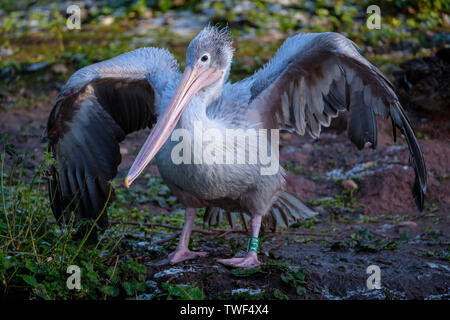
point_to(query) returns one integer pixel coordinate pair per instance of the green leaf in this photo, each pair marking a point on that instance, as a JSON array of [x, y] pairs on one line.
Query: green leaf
[[30, 266], [299, 275], [183, 291], [31, 280], [278, 294], [301, 290], [242, 272], [113, 274], [196, 294], [111, 291], [141, 286], [129, 287]]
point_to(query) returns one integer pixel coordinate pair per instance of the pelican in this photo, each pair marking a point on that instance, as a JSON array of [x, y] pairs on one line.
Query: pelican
[[309, 81]]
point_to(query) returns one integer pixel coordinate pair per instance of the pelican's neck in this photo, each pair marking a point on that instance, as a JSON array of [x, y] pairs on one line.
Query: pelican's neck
[[196, 109]]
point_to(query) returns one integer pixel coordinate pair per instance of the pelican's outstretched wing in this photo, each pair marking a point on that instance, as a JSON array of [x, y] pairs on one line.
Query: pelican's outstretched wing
[[314, 76], [99, 105]]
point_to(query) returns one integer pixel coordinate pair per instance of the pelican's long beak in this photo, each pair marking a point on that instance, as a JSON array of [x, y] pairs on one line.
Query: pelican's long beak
[[193, 79]]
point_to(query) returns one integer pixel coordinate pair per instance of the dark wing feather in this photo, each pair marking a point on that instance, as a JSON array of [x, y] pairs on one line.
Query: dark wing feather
[[85, 128], [313, 77]]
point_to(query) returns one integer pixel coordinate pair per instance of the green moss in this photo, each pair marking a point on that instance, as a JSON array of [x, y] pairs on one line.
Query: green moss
[[344, 202]]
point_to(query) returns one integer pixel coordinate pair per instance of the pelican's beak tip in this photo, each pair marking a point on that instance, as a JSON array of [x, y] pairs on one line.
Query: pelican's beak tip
[[127, 182]]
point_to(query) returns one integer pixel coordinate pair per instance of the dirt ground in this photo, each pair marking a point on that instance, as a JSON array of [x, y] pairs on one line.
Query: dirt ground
[[383, 228]]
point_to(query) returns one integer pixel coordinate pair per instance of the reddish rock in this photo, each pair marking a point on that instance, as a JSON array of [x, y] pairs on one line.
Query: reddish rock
[[298, 156], [437, 155], [387, 191], [305, 189], [385, 133]]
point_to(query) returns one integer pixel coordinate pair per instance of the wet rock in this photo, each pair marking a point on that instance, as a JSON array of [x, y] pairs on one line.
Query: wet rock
[[408, 227], [438, 266], [407, 224], [59, 68], [248, 291], [359, 170], [107, 21], [368, 165], [181, 23], [37, 66], [172, 272], [341, 269]]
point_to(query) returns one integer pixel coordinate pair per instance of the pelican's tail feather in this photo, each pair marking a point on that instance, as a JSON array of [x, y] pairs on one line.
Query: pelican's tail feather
[[215, 216], [286, 210]]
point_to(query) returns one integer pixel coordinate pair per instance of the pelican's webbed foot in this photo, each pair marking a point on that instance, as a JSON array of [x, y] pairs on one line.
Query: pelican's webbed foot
[[249, 261], [182, 254]]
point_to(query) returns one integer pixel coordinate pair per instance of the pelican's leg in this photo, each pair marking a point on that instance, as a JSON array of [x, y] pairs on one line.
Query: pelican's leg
[[251, 259], [182, 252]]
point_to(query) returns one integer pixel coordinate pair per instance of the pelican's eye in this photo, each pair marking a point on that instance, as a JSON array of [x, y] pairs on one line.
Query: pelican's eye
[[204, 58]]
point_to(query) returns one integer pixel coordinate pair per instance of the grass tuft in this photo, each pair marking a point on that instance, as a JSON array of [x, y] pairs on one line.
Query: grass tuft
[[35, 252]]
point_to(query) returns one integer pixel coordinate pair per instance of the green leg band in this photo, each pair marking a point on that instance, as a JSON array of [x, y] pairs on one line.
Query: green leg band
[[253, 244]]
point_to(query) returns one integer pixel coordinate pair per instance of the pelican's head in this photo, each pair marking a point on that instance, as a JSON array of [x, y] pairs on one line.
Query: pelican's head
[[208, 60], [211, 48]]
